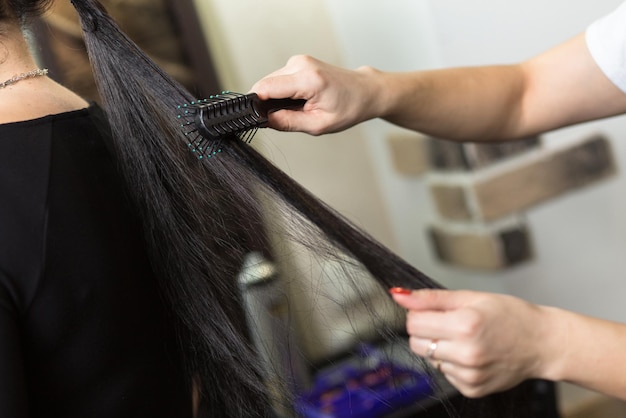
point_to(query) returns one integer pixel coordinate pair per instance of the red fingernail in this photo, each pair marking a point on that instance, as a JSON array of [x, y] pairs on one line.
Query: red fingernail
[[400, 291]]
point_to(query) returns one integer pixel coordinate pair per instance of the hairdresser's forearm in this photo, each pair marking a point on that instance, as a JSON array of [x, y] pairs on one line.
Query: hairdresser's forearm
[[560, 87], [585, 351], [480, 103]]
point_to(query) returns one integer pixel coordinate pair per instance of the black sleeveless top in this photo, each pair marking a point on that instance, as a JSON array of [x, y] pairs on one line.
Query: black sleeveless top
[[83, 331]]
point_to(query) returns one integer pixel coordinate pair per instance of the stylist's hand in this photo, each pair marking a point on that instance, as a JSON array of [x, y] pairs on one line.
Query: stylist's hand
[[336, 98], [485, 342]]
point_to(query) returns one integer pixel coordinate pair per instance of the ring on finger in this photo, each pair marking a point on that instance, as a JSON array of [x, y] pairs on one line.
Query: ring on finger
[[432, 347]]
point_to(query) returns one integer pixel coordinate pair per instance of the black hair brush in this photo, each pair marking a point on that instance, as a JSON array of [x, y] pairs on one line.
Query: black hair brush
[[206, 122]]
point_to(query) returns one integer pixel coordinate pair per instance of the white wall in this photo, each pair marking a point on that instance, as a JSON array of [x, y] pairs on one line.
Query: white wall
[[580, 239]]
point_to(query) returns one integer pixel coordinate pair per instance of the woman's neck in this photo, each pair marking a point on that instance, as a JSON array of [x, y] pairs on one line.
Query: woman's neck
[[15, 56], [31, 97]]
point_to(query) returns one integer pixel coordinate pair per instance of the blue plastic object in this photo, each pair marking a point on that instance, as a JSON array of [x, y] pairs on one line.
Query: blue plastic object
[[368, 388]]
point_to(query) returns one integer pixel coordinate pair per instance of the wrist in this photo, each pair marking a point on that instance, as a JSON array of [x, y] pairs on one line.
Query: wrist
[[378, 97], [402, 98], [552, 344]]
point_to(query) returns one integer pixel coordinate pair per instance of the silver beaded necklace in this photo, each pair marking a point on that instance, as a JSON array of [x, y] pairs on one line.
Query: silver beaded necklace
[[24, 76]]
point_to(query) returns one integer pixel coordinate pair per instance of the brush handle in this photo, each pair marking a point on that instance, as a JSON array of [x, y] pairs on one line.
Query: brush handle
[[234, 113], [264, 107]]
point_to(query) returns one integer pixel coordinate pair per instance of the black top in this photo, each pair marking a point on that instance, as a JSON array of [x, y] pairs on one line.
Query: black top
[[83, 331]]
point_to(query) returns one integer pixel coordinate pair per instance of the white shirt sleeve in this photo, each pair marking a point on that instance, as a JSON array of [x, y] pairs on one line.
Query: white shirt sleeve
[[606, 40]]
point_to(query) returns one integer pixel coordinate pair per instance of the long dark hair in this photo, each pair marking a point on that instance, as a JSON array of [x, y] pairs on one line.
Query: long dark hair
[[201, 218]]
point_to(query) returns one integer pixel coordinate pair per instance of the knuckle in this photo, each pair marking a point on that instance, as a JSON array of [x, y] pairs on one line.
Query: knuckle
[[295, 59], [413, 323], [317, 78], [302, 61], [473, 356], [411, 317], [471, 325]]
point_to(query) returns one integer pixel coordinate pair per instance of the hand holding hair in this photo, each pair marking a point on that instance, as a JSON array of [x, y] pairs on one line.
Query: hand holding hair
[[485, 343], [337, 98], [482, 343]]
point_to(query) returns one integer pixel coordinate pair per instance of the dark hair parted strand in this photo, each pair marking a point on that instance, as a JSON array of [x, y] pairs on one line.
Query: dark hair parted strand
[[201, 217]]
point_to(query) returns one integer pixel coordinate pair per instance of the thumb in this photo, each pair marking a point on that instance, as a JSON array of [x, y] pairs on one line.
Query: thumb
[[433, 299], [300, 120], [279, 86]]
